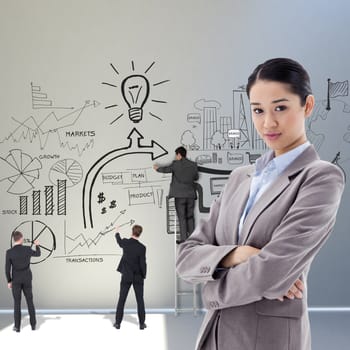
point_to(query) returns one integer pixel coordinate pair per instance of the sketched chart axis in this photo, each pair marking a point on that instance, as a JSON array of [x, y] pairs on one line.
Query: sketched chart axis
[[66, 169], [37, 230], [21, 170]]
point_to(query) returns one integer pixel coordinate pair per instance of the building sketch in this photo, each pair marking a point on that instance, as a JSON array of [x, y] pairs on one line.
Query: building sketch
[[222, 133]]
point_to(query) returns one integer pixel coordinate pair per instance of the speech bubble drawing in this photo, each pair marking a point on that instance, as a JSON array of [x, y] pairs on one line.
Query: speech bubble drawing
[[234, 133], [234, 158], [194, 118]]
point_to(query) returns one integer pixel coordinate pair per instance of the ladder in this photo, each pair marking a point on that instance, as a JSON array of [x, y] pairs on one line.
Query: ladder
[[182, 290]]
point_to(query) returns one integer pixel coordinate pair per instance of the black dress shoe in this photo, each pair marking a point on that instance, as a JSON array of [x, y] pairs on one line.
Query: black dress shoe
[[15, 329], [33, 328], [143, 326], [116, 325]]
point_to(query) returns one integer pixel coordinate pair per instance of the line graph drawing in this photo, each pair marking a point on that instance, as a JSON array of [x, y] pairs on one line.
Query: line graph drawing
[[73, 243], [135, 90], [21, 170], [66, 169], [40, 99], [31, 129], [37, 230]]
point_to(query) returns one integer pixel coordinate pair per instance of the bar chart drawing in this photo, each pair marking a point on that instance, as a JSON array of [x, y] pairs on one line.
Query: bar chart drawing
[[36, 203], [48, 202], [40, 99], [23, 205], [61, 197]]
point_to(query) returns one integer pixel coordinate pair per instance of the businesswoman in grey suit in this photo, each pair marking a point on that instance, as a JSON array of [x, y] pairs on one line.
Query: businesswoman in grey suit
[[255, 249]]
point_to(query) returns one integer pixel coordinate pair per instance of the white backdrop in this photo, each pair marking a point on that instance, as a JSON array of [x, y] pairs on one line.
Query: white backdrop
[[66, 131]]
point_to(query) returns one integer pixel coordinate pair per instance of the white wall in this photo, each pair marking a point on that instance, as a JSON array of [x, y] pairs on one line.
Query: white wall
[[206, 49]]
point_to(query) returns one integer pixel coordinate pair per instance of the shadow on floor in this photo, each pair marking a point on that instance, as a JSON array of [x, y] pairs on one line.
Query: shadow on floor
[[6, 320], [127, 318]]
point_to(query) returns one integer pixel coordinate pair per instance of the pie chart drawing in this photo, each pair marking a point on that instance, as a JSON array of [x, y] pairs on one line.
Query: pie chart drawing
[[66, 169], [21, 170], [36, 230]]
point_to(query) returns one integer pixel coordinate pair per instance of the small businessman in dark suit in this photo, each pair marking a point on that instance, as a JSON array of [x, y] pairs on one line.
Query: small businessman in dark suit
[[133, 268], [182, 188], [19, 277]]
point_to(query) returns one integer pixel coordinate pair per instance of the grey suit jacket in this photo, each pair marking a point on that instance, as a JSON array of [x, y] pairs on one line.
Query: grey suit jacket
[[185, 173], [289, 223]]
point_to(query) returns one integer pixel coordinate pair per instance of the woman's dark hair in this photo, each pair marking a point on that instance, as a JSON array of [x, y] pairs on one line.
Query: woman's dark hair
[[286, 71]]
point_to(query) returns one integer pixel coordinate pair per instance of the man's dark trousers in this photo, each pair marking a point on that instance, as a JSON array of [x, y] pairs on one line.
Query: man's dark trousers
[[185, 213], [137, 282], [17, 288]]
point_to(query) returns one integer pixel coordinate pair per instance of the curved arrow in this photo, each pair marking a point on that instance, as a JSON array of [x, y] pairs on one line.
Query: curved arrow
[[134, 147]]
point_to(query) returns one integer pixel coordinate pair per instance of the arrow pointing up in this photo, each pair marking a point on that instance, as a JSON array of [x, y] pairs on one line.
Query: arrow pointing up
[[134, 136]]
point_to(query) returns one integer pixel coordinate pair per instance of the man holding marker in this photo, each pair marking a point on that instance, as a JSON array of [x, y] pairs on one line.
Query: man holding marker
[[133, 268], [19, 277], [182, 188]]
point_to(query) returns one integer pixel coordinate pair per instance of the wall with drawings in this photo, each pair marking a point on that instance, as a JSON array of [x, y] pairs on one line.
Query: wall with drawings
[[89, 106]]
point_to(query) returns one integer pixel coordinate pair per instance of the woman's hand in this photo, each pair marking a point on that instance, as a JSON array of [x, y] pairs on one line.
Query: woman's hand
[[243, 253], [296, 291], [239, 255]]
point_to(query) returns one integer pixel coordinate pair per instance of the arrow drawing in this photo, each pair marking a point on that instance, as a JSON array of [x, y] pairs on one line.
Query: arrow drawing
[[134, 147]]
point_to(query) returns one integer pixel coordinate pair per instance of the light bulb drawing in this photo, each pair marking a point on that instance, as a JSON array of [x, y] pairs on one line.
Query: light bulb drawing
[[135, 91]]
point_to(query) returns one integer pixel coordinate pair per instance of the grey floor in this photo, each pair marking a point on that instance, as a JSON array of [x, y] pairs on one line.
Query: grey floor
[[330, 330]]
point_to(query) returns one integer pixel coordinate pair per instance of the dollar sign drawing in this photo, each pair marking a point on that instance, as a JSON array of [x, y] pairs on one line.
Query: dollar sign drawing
[[104, 210], [113, 204], [101, 198]]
